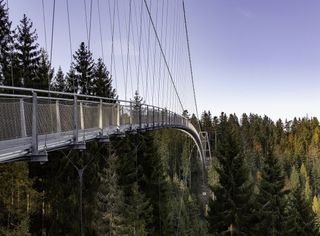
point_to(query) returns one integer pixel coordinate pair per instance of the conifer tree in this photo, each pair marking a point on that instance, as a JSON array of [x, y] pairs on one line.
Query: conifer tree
[[59, 83], [301, 218], [72, 81], [5, 45], [44, 73], [230, 209], [27, 53], [110, 202], [102, 82], [84, 69], [271, 200]]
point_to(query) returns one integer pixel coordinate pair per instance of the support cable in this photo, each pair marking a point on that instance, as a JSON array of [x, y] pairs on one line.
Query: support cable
[[100, 31], [148, 54], [69, 30], [86, 19], [90, 20], [121, 48], [163, 55], [154, 59], [140, 39], [190, 62], [44, 26], [128, 49]]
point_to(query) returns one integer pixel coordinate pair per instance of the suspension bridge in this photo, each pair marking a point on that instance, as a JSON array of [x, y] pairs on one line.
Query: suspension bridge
[[35, 122]]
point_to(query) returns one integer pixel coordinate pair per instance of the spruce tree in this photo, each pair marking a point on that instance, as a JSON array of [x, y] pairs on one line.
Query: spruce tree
[[301, 219], [110, 202], [102, 82], [44, 73], [5, 45], [59, 83], [84, 69], [72, 81], [27, 53], [229, 212], [271, 200]]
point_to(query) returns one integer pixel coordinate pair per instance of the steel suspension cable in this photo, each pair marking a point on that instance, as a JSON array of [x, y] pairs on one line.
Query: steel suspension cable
[[112, 25], [69, 30], [140, 39], [90, 20], [163, 54], [128, 49], [190, 62], [44, 26], [121, 49], [148, 54], [100, 30], [86, 19], [154, 58]]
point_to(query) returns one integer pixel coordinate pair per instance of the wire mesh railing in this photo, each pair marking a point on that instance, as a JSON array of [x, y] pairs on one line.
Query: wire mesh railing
[[41, 116]]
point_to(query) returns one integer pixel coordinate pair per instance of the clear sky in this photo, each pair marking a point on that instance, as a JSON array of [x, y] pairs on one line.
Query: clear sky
[[259, 56]]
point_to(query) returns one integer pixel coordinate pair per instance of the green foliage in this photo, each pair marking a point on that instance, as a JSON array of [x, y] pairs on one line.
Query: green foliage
[[27, 54], [271, 200], [229, 210], [6, 41]]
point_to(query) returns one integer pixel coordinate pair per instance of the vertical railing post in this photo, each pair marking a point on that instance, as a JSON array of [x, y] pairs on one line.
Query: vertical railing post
[[35, 149], [22, 119], [130, 116], [147, 116], [100, 115], [118, 116], [153, 116], [58, 117], [140, 110], [159, 114], [75, 119], [81, 116]]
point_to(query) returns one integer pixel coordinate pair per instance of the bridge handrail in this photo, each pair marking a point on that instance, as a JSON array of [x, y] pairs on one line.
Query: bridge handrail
[[27, 118]]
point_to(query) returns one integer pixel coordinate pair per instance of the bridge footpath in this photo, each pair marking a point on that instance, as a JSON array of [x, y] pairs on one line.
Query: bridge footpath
[[34, 122]]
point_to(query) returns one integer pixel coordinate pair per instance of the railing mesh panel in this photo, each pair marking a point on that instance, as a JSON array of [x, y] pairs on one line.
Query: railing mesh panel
[[90, 115], [10, 119]]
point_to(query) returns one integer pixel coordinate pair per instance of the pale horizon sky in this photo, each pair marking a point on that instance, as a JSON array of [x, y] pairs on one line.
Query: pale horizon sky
[[248, 56]]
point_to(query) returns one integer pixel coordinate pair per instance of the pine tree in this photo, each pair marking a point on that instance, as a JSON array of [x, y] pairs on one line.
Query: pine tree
[[44, 73], [102, 82], [301, 219], [27, 53], [110, 201], [305, 180], [230, 209], [6, 41], [84, 69], [271, 200], [72, 81], [59, 83]]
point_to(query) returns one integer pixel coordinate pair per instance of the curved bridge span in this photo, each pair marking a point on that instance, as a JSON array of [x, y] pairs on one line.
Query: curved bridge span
[[34, 122]]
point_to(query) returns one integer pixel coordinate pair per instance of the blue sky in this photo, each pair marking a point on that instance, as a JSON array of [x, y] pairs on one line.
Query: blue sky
[[248, 55]]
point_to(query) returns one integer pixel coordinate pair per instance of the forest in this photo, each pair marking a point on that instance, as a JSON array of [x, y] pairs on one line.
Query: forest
[[263, 176]]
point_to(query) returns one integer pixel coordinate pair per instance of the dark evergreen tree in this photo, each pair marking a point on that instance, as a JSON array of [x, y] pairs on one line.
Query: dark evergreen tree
[[102, 82], [27, 53], [5, 45], [271, 200], [72, 81], [44, 73], [230, 208], [110, 201], [300, 217], [84, 69], [59, 83]]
